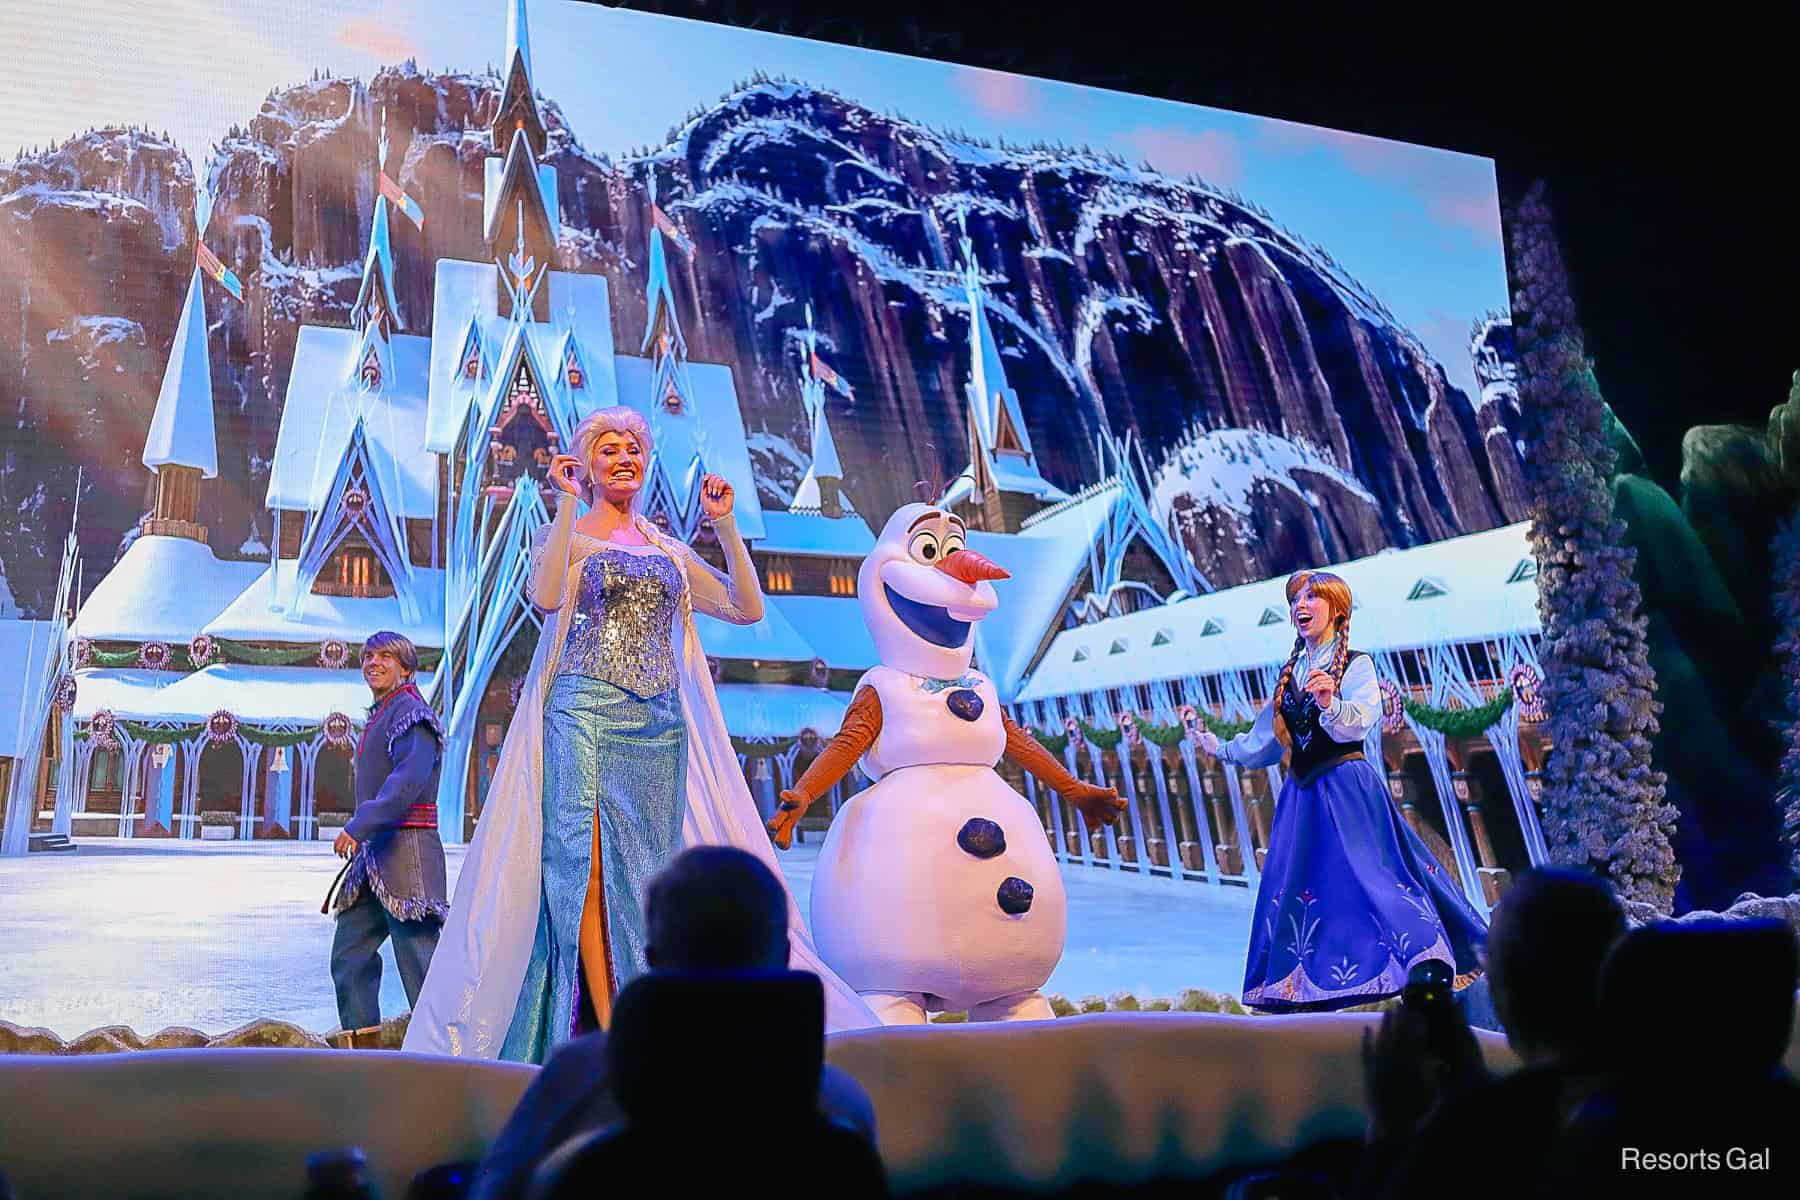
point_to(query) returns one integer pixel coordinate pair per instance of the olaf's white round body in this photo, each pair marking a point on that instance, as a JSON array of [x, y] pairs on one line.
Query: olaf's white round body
[[898, 903]]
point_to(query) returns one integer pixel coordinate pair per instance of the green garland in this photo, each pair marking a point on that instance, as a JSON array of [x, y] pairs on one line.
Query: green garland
[[754, 750], [1055, 743], [154, 736], [1163, 736], [1461, 722], [263, 737], [178, 658], [1105, 739], [229, 650], [1224, 730]]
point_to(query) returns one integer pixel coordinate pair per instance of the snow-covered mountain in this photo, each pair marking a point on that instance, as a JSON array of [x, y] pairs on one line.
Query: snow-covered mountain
[[1122, 299]]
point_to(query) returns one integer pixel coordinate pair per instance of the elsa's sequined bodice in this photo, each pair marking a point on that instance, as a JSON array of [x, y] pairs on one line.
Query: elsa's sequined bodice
[[624, 617]]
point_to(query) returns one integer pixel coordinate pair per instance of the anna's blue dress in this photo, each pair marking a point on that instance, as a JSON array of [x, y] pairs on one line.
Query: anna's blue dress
[[1350, 897]]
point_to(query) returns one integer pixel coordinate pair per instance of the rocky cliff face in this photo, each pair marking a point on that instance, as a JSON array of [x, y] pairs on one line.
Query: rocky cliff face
[[1121, 299], [93, 237]]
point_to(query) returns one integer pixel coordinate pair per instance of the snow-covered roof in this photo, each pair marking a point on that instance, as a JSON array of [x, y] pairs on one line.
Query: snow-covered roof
[[255, 695], [780, 709], [181, 430], [1011, 474], [539, 175], [25, 655], [808, 496], [772, 639], [1465, 589], [833, 626], [321, 408], [470, 288], [801, 532], [711, 427], [1046, 561], [162, 589], [126, 692], [1015, 474], [251, 616]]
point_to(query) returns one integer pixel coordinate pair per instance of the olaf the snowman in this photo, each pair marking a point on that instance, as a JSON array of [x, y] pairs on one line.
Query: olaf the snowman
[[936, 889]]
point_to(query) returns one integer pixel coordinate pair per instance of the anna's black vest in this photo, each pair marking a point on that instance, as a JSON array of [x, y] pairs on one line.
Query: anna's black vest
[[1313, 749]]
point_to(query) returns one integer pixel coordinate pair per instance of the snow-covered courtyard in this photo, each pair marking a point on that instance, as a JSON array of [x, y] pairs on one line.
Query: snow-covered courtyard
[[152, 933]]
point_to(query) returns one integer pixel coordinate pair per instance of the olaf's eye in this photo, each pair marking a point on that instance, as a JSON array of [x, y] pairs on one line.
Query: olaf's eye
[[924, 547]]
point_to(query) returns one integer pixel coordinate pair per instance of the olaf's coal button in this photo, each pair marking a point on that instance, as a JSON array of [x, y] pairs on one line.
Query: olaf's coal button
[[1014, 896], [982, 838]]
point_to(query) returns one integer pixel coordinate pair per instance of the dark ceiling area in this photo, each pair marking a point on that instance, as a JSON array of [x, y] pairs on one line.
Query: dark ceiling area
[[1665, 145]]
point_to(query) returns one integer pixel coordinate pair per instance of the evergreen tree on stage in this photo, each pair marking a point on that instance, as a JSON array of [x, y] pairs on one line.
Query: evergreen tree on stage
[[1603, 803], [1784, 429]]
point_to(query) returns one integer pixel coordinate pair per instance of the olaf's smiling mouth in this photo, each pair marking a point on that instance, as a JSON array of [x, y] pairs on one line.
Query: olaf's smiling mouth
[[930, 622]]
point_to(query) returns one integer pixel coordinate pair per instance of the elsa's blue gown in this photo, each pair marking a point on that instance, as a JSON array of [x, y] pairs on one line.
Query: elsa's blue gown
[[615, 751], [1350, 897]]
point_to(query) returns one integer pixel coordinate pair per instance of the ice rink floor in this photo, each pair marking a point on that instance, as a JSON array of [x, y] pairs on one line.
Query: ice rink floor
[[152, 933]]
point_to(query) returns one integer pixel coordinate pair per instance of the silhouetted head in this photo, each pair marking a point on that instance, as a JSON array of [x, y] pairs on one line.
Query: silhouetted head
[[1547, 941], [1651, 978], [716, 908]]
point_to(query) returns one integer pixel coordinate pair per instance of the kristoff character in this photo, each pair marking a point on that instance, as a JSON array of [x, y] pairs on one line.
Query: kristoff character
[[394, 882]]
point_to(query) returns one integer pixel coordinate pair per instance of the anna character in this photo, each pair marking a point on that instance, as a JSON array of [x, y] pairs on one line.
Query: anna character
[[1350, 898]]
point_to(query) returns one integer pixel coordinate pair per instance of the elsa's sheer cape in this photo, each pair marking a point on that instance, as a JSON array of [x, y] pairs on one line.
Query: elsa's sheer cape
[[467, 1002]]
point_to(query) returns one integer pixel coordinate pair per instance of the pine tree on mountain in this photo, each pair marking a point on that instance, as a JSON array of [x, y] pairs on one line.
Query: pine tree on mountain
[[1603, 803]]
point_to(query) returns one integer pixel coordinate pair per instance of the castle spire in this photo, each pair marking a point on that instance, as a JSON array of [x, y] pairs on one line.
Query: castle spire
[[518, 108], [375, 302], [664, 343], [180, 447], [1002, 484], [823, 487], [518, 36]]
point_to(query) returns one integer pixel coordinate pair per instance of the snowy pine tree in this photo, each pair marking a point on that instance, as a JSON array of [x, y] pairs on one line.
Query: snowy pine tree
[[1787, 647], [1603, 804], [1786, 561]]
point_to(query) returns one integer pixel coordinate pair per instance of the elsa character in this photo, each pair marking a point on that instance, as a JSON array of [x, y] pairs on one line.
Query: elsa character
[[617, 757]]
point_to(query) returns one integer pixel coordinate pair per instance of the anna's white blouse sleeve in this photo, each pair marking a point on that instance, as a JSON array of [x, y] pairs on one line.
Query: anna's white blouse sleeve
[[1358, 704], [1257, 746]]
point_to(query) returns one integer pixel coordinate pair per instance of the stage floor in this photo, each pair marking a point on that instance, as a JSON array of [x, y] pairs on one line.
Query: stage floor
[[152, 933]]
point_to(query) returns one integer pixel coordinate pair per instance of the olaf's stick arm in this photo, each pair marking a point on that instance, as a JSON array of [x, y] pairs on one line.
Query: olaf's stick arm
[[1099, 805], [860, 728]]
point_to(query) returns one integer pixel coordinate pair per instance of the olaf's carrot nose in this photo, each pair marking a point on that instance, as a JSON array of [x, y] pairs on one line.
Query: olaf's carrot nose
[[970, 567]]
